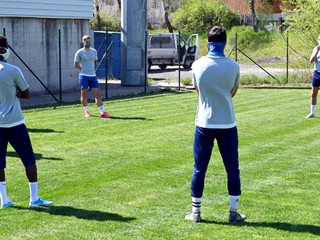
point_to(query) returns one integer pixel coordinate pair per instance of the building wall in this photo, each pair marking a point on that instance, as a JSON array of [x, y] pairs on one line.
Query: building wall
[[36, 43], [38, 31], [70, 9]]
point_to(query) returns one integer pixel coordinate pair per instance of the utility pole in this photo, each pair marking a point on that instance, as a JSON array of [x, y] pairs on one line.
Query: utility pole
[[133, 39]]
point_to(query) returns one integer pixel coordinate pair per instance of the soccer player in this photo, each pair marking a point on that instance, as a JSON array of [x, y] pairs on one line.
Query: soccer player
[[12, 127], [216, 79], [315, 58], [85, 60]]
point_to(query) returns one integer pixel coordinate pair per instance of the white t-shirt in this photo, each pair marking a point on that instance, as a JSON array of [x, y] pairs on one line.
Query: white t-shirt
[[10, 110], [215, 77]]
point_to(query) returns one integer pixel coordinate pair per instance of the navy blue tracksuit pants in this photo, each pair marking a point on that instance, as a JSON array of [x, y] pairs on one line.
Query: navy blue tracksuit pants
[[227, 140]]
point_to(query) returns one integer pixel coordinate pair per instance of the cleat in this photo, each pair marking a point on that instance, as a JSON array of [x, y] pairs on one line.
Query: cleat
[[105, 115], [235, 217], [40, 202], [9, 204], [195, 217], [87, 114], [311, 115]]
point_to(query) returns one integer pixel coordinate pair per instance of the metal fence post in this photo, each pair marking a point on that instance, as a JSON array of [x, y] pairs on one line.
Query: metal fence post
[[146, 62], [236, 46], [179, 54], [60, 80], [287, 63], [106, 77]]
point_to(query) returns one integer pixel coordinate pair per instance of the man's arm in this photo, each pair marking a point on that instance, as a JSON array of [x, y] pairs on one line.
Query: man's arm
[[77, 65], [314, 54], [234, 90], [23, 94]]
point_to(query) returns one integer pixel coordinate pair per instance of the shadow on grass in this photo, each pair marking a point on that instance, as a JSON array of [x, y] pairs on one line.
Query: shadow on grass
[[301, 228], [46, 130], [131, 118], [80, 213], [38, 156]]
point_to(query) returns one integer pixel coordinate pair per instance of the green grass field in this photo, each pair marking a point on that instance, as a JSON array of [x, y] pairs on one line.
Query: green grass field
[[129, 177]]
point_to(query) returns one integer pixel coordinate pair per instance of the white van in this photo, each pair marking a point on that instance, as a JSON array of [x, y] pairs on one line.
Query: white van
[[163, 50]]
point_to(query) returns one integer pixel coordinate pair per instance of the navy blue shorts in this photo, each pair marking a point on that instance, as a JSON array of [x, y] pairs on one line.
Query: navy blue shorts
[[19, 139], [316, 79], [86, 82]]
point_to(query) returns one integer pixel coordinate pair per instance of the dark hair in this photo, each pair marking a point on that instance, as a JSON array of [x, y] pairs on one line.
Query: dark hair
[[4, 42], [217, 34]]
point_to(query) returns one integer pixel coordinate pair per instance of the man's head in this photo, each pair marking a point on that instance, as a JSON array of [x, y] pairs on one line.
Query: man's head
[[4, 48], [217, 34], [86, 40]]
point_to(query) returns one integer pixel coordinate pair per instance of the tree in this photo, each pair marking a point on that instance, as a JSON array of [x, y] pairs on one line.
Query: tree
[[254, 18], [97, 4], [166, 15], [304, 18]]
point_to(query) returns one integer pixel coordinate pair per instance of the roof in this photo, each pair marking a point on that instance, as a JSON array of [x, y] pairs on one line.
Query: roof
[[70, 9]]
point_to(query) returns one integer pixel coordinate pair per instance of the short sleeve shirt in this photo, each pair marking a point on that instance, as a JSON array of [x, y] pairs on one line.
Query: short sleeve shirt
[[87, 59], [214, 78], [11, 78], [317, 62]]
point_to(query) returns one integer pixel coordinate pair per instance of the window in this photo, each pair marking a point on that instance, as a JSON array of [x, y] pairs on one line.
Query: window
[[162, 42], [153, 4], [110, 2]]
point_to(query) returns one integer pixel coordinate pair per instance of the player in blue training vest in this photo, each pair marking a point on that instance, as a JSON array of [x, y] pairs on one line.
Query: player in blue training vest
[[216, 79]]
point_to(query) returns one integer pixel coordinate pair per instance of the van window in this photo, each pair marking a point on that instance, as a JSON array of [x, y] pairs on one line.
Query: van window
[[161, 42]]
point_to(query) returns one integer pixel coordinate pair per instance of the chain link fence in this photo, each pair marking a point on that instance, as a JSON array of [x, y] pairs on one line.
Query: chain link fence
[[45, 57], [286, 62]]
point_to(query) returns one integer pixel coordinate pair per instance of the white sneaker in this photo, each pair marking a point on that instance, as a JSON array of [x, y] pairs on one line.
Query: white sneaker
[[195, 217], [311, 115]]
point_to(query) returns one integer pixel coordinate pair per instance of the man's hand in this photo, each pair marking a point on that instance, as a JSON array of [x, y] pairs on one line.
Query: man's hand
[[22, 94]]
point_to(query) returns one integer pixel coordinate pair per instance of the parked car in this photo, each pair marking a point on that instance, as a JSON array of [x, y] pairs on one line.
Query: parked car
[[170, 49]]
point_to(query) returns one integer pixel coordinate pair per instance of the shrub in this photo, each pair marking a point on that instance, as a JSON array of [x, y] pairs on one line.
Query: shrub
[[108, 22], [201, 15]]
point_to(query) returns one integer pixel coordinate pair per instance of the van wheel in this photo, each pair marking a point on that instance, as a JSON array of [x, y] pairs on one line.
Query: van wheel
[[149, 65], [187, 63], [163, 66]]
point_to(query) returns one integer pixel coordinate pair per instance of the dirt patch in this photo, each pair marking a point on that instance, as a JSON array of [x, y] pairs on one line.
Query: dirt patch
[[263, 60]]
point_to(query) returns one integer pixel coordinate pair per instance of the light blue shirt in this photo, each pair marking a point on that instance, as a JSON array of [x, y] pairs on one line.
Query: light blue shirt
[[215, 77], [317, 62], [10, 110], [87, 59]]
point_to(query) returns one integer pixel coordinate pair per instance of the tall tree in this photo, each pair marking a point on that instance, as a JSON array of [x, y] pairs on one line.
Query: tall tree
[[254, 17], [304, 18], [97, 4], [166, 15]]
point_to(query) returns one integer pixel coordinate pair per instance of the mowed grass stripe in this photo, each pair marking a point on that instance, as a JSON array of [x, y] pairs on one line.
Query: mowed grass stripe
[[129, 177]]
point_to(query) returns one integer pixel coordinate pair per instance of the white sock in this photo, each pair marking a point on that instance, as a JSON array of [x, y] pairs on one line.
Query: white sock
[[33, 186], [101, 109], [3, 193], [313, 109], [234, 203], [86, 109], [196, 204]]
